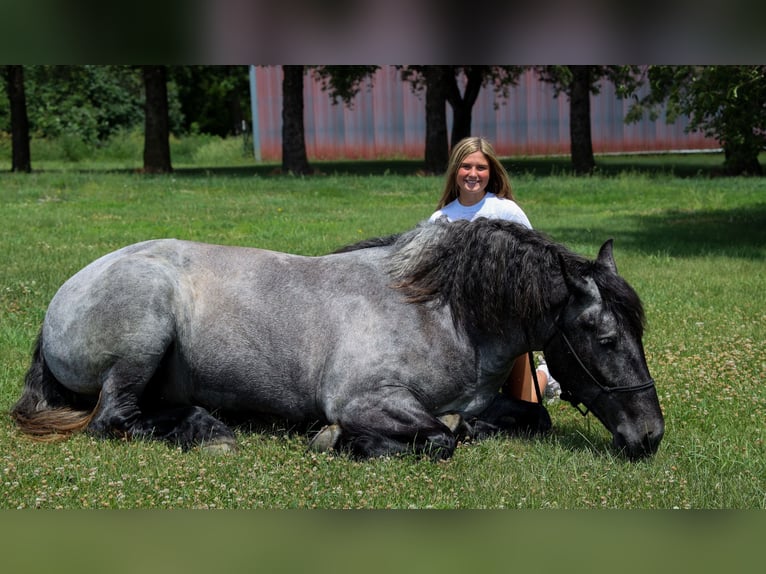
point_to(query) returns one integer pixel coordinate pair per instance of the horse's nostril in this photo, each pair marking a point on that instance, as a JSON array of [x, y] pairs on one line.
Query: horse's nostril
[[651, 442]]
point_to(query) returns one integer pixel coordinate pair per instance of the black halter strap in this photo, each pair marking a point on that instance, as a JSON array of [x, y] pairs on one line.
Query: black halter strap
[[574, 401], [534, 377]]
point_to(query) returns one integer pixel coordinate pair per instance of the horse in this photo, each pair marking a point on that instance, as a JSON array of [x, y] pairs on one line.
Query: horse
[[395, 345]]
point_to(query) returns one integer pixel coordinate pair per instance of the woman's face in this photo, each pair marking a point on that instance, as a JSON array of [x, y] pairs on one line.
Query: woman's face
[[472, 178]]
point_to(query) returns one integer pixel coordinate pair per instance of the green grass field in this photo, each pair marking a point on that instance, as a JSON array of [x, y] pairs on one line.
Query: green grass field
[[692, 245]]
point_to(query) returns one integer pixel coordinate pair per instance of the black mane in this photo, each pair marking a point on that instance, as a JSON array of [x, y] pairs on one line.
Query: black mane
[[489, 270], [368, 243]]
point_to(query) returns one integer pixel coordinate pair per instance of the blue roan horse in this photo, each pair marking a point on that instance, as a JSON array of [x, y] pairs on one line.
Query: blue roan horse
[[395, 345]]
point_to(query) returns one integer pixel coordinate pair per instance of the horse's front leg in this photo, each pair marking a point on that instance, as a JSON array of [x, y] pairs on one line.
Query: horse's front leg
[[188, 427], [392, 421], [506, 414]]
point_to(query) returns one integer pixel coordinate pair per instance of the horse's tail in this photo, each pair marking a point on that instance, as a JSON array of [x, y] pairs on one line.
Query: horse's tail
[[48, 411]]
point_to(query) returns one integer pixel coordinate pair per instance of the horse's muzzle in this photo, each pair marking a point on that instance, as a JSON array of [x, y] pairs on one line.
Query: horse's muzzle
[[637, 443]]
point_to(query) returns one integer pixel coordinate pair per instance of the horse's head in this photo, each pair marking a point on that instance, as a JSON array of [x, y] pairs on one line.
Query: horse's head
[[597, 355]]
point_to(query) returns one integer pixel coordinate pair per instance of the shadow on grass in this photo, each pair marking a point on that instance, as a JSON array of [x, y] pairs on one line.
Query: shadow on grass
[[678, 165], [574, 438], [321, 168], [674, 164], [734, 232]]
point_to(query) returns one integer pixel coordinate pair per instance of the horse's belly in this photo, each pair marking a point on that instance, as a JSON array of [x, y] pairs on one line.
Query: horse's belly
[[468, 405], [250, 383]]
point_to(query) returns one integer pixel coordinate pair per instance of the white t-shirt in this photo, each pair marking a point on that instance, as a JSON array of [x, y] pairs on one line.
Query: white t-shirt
[[492, 207]]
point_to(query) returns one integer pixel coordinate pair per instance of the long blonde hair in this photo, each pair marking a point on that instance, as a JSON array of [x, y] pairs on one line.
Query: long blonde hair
[[499, 183]]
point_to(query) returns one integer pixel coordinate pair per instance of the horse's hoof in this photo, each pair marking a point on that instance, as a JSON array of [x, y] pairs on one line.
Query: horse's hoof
[[220, 447], [326, 439], [452, 420]]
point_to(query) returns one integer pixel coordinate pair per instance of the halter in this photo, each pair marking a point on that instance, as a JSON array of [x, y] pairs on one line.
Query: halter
[[568, 396]]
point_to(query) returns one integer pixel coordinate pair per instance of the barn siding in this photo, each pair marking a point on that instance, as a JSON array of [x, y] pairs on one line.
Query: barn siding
[[388, 121]]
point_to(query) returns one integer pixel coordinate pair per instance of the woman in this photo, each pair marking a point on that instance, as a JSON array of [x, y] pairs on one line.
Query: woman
[[477, 185]]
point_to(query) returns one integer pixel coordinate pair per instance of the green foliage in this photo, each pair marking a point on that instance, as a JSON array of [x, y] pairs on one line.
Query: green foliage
[[501, 78], [211, 99], [727, 103], [220, 151], [5, 105], [124, 150], [625, 78], [692, 246], [5, 146], [343, 82], [89, 103]]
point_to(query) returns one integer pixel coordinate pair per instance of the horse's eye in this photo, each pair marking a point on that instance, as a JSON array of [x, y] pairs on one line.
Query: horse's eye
[[607, 341]]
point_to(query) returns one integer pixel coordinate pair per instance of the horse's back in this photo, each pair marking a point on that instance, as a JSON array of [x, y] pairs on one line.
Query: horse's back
[[267, 335], [130, 302], [247, 327]]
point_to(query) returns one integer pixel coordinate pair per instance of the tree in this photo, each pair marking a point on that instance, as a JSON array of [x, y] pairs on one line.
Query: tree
[[343, 82], [727, 103], [441, 86], [21, 157], [88, 104], [476, 77], [212, 99], [462, 104], [437, 151], [578, 83], [580, 138], [157, 127], [434, 80], [294, 158]]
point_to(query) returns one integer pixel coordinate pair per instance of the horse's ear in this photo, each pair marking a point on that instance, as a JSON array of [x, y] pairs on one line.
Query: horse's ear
[[605, 256], [573, 278]]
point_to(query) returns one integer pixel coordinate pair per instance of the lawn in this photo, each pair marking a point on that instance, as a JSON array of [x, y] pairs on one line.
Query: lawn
[[692, 245]]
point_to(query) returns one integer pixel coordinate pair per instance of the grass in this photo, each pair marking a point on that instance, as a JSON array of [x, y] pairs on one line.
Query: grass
[[693, 246]]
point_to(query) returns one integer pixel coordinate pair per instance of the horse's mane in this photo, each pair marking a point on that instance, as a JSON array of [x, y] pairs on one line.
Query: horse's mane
[[489, 270], [368, 243]]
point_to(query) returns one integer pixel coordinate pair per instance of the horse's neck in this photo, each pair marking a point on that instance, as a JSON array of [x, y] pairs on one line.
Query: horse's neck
[[558, 295], [502, 350], [537, 331], [497, 355]]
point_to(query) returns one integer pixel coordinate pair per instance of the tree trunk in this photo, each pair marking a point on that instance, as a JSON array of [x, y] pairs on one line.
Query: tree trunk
[[579, 121], [741, 145], [21, 157], [294, 158], [462, 106], [437, 150], [741, 159], [157, 124]]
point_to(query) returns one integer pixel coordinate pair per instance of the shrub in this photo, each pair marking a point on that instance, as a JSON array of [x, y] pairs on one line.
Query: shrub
[[219, 151]]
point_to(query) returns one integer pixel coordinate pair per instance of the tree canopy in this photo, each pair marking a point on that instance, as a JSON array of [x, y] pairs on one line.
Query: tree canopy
[[92, 103], [727, 103]]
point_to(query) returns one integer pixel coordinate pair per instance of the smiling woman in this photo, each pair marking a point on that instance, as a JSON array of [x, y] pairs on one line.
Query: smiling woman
[[477, 185], [473, 177]]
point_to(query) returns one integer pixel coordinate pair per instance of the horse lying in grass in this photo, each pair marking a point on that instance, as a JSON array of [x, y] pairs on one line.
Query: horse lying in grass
[[398, 345]]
